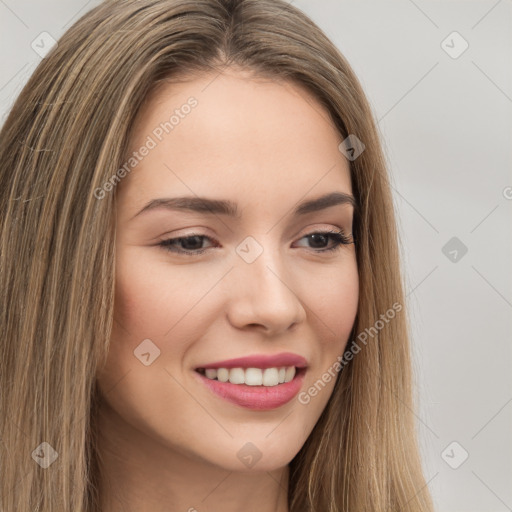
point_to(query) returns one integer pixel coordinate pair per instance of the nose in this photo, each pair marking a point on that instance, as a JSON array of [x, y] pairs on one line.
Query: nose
[[263, 295]]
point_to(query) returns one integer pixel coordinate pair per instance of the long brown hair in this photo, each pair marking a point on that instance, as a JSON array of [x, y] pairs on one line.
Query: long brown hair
[[66, 135]]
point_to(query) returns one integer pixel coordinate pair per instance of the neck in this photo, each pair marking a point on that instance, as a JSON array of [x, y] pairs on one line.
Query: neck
[[137, 472]]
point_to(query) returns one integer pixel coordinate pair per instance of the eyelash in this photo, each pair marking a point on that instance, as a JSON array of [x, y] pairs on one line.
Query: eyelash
[[339, 237]]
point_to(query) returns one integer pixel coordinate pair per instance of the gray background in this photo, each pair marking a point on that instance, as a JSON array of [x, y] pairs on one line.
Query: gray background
[[446, 125]]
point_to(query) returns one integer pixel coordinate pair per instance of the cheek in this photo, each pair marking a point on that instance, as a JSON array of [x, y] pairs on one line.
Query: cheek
[[343, 305], [144, 308], [143, 298], [151, 297], [168, 304], [157, 303], [333, 299]]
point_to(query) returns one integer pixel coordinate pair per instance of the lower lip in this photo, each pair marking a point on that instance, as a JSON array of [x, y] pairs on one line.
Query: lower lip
[[256, 397]]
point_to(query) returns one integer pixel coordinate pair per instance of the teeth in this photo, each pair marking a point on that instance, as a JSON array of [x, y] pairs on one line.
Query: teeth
[[252, 376], [211, 373], [236, 376], [290, 373], [271, 377], [223, 374]]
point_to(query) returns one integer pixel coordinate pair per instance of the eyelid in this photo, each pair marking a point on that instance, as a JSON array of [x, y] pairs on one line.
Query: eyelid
[[325, 228], [311, 229], [339, 235]]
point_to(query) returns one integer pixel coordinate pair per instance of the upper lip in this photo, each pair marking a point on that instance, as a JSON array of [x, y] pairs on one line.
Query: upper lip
[[260, 361]]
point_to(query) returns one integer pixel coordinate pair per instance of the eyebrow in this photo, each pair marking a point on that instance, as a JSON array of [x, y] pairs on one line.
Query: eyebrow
[[229, 208]]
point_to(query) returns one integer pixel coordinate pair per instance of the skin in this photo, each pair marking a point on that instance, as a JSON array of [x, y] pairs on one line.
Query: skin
[[168, 443]]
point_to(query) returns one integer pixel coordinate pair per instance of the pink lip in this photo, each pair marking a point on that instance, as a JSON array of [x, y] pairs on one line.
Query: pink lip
[[256, 397], [261, 361]]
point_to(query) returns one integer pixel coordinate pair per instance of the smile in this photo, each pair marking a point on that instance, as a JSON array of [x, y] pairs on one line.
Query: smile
[[251, 376], [253, 388]]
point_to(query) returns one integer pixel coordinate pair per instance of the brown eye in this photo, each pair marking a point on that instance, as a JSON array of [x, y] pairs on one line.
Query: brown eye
[[189, 245], [319, 240]]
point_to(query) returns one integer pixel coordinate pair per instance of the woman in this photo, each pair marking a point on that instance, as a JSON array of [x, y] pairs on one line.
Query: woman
[[202, 302]]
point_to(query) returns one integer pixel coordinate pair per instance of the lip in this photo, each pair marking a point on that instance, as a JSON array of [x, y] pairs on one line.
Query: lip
[[262, 361], [258, 398]]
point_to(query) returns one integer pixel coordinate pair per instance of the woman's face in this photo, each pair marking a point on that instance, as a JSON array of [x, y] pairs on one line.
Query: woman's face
[[197, 285]]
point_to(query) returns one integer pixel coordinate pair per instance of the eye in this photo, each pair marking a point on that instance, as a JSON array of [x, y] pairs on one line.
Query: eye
[[193, 244], [190, 244], [319, 240]]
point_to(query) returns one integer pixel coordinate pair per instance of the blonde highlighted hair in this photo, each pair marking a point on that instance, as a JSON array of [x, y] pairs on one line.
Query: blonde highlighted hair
[[66, 135]]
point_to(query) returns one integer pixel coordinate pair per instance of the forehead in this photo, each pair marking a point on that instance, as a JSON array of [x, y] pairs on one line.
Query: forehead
[[235, 132]]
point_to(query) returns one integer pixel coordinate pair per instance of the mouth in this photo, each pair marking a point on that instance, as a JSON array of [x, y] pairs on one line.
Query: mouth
[[263, 377], [259, 389]]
